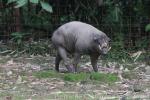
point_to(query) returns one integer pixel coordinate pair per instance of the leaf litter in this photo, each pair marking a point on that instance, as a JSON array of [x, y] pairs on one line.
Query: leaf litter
[[18, 83]]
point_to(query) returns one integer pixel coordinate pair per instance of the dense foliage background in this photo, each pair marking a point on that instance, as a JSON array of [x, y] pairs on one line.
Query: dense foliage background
[[125, 21]]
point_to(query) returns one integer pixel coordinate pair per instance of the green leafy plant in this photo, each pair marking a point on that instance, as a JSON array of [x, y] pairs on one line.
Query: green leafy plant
[[147, 28], [119, 55], [142, 43], [20, 3], [18, 37], [38, 47], [116, 18], [34, 1], [46, 6]]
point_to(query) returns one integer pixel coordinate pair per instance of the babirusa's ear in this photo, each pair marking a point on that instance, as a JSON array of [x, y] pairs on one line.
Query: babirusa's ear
[[108, 39]]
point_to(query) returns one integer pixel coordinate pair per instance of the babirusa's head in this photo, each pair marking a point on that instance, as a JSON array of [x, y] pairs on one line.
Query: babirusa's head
[[102, 43]]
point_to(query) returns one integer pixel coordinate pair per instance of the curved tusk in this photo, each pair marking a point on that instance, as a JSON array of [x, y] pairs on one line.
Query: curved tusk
[[100, 47], [109, 48]]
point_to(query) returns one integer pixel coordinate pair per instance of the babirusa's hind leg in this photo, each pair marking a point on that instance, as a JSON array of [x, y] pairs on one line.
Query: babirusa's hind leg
[[63, 54]]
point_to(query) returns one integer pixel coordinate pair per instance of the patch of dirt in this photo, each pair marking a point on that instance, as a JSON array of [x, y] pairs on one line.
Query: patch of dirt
[[18, 83]]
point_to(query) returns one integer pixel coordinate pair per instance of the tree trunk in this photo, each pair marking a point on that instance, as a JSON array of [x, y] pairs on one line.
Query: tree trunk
[[17, 19]]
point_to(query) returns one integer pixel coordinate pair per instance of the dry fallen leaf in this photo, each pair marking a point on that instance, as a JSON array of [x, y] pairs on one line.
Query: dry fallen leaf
[[10, 62], [19, 80]]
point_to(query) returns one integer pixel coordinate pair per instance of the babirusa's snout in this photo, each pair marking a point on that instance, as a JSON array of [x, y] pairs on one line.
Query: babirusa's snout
[[104, 44], [104, 48]]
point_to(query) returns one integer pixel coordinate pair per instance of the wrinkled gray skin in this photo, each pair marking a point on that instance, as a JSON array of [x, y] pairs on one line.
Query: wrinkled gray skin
[[79, 38]]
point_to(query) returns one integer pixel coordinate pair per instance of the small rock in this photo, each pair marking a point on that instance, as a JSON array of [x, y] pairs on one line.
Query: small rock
[[88, 64], [8, 97], [137, 90], [125, 86], [35, 83], [52, 87], [36, 67], [126, 70], [137, 87], [61, 83], [123, 98], [9, 73], [28, 99], [121, 67], [10, 62], [14, 88], [147, 70], [142, 69], [6, 86]]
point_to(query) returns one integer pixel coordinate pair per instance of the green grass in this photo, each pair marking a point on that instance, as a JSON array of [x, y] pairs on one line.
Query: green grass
[[46, 74], [78, 77], [75, 77], [110, 78]]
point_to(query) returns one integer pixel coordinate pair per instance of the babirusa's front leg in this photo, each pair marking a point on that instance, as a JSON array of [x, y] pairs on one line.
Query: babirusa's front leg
[[57, 61], [94, 59]]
